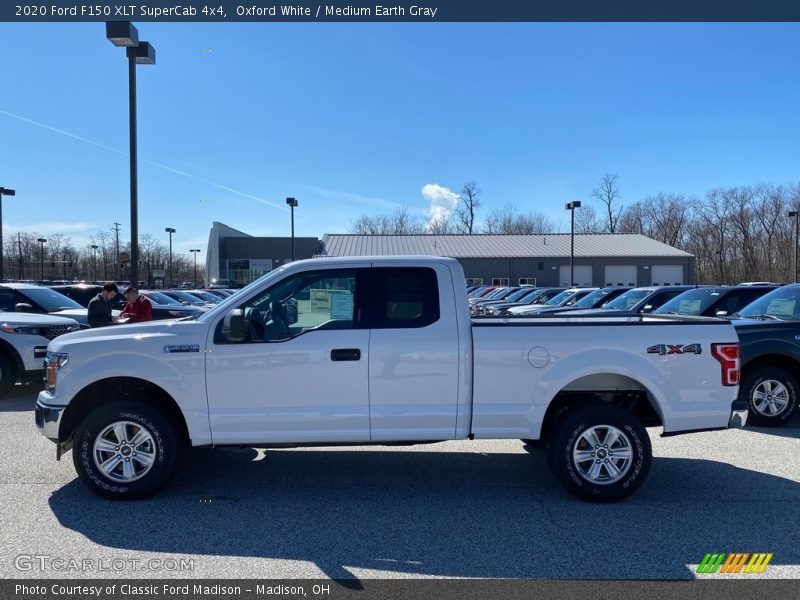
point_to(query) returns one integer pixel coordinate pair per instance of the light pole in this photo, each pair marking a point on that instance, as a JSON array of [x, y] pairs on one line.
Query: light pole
[[170, 231], [42, 241], [571, 206], [3, 192], [292, 203], [793, 214], [94, 248], [195, 251], [123, 33]]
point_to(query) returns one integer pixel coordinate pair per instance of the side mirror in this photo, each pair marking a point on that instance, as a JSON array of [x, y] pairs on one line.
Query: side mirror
[[647, 308], [234, 328], [23, 307]]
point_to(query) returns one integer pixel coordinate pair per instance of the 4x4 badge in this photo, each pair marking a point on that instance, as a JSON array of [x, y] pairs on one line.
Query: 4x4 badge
[[663, 349]]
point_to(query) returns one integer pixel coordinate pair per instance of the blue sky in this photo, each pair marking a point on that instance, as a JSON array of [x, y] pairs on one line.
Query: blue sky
[[358, 118]]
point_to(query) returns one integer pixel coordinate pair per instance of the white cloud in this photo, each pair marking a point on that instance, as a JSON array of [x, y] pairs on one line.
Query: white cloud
[[443, 202], [52, 227]]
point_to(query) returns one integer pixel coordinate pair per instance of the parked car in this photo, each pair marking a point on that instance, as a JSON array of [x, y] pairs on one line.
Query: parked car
[[204, 295], [638, 300], [23, 344], [83, 293], [595, 299], [24, 297], [713, 301], [566, 298], [769, 336], [536, 296], [360, 359], [165, 307], [186, 299], [479, 308]]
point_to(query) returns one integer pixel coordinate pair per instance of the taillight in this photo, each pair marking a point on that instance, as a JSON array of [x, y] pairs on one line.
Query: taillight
[[728, 357]]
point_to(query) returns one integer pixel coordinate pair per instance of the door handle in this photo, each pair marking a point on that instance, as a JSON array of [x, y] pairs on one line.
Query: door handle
[[346, 354]]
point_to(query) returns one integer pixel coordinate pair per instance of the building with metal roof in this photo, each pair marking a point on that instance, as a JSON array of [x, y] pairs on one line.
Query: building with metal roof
[[544, 260]]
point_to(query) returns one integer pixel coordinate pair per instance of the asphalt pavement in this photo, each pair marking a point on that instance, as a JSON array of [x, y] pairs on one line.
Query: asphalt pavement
[[485, 509]]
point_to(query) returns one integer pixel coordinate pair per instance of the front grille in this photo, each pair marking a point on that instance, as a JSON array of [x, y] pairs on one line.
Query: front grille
[[56, 330]]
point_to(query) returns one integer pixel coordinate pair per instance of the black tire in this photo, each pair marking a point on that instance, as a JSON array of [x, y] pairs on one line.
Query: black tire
[[633, 443], [759, 381], [161, 447]]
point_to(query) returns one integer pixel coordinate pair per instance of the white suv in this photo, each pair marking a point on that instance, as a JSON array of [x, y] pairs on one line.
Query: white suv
[[23, 344]]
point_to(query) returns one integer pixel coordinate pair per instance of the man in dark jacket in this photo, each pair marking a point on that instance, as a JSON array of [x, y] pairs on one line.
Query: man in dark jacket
[[100, 306]]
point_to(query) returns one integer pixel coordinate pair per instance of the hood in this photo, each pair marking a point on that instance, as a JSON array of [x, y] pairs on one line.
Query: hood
[[133, 331], [34, 319], [78, 312], [748, 325]]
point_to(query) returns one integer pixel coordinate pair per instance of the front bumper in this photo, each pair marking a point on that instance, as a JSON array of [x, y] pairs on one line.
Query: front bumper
[[48, 418], [738, 416]]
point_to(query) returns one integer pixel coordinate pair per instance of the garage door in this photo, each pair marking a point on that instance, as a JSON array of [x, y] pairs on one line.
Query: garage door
[[621, 275], [667, 274], [583, 276]]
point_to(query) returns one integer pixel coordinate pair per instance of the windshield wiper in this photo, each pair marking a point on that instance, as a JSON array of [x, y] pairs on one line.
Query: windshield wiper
[[764, 317]]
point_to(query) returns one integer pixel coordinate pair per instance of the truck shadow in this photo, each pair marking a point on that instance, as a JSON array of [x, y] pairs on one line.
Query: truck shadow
[[790, 430], [441, 514], [20, 398]]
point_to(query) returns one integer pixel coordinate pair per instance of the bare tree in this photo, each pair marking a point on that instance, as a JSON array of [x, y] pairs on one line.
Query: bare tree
[[402, 222], [587, 220], [506, 220], [469, 203], [608, 193], [440, 226]]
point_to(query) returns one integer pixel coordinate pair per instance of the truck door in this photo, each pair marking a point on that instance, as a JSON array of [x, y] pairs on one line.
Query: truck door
[[413, 354], [300, 374]]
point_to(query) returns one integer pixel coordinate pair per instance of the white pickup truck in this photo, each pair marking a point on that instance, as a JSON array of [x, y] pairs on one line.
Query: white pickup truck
[[381, 350]]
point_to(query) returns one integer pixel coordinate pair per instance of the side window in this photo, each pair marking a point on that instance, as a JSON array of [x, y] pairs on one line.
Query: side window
[[7, 300], [306, 302], [663, 298], [403, 297]]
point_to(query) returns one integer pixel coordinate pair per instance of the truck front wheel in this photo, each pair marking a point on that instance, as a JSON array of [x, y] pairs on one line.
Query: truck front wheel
[[124, 450], [771, 395], [600, 453]]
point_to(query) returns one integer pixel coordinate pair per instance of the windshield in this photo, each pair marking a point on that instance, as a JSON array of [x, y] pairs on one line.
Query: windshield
[[691, 303], [49, 300], [628, 300], [783, 303], [559, 298], [518, 294], [183, 296], [160, 298], [207, 297], [592, 299]]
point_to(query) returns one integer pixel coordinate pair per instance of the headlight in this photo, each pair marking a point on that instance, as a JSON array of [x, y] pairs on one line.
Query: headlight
[[52, 363], [22, 330]]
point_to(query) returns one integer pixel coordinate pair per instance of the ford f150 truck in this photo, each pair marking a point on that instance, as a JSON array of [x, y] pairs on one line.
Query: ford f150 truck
[[381, 350]]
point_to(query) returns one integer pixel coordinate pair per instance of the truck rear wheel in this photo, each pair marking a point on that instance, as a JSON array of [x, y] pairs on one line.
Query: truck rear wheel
[[124, 450], [600, 453], [771, 395]]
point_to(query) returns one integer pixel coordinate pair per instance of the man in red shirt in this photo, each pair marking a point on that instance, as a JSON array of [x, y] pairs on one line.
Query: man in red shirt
[[138, 308]]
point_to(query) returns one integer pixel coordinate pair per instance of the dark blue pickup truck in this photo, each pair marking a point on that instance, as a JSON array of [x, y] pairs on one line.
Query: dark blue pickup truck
[[769, 338]]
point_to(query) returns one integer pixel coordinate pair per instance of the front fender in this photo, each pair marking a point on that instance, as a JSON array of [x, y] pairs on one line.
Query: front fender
[[181, 375]]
